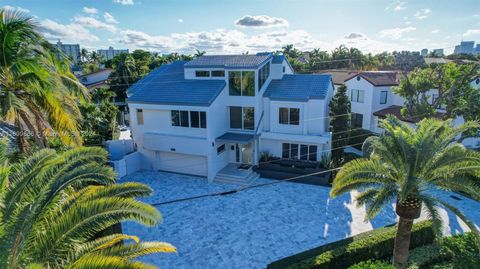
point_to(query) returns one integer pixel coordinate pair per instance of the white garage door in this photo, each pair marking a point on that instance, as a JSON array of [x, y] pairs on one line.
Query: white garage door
[[182, 163]]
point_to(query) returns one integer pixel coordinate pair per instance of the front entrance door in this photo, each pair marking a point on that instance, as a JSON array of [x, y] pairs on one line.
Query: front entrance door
[[247, 153]]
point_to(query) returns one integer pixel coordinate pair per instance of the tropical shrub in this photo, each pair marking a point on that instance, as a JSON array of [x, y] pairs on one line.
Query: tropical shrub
[[423, 256], [55, 206], [372, 264], [462, 250]]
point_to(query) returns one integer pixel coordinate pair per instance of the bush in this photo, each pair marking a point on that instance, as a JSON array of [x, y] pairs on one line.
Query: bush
[[423, 256], [376, 244], [462, 250], [358, 136], [370, 264]]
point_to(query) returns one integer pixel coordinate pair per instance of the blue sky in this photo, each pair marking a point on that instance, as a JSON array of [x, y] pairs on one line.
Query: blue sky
[[256, 25]]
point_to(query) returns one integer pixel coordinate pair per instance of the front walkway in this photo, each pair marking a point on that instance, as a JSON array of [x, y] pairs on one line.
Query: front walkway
[[254, 227]]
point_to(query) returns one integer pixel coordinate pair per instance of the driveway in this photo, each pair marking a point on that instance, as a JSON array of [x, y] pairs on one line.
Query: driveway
[[256, 226]]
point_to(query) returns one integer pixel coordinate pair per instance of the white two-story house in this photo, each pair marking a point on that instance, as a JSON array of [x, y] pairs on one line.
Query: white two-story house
[[219, 111]]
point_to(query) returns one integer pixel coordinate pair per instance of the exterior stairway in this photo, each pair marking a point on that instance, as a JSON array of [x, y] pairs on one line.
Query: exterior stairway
[[233, 175]]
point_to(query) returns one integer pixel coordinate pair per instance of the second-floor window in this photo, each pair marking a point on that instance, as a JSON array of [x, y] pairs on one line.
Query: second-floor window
[[192, 119], [383, 97], [357, 96], [202, 73], [289, 116], [241, 83], [263, 74], [242, 117]]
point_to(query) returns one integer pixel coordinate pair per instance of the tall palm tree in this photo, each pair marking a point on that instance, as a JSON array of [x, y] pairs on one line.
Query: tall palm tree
[[407, 166], [55, 205], [38, 93]]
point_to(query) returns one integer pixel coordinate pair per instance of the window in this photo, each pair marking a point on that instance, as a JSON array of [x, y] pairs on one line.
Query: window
[[234, 83], [289, 116], [140, 116], [263, 74], [357, 120], [383, 97], [299, 151], [248, 118], [241, 83], [357, 96], [218, 73], [242, 117], [283, 115], [248, 83], [194, 119], [236, 117], [201, 73], [197, 119], [283, 69], [221, 149]]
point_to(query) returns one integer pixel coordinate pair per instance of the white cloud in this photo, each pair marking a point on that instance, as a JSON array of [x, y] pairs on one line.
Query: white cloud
[[180, 20], [90, 10], [396, 5], [396, 33], [472, 32], [73, 32], [109, 18], [124, 2], [94, 23], [435, 31], [21, 9], [236, 41], [422, 14], [261, 21]]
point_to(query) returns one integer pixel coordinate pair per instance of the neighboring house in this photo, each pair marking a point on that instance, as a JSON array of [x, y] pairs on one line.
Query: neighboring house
[[96, 79], [370, 92], [339, 76], [213, 113]]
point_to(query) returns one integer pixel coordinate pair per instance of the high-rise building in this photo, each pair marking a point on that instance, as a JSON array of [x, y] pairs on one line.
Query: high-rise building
[[438, 52], [110, 52], [71, 50], [465, 47], [424, 53]]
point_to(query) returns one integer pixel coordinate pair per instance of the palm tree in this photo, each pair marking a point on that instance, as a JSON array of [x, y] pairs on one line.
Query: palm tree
[[55, 205], [38, 93], [407, 166]]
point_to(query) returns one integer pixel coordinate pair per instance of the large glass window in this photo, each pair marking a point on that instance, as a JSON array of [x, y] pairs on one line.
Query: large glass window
[[357, 96], [234, 83], [289, 116], [193, 119], [299, 151], [357, 120], [248, 118], [202, 73], [242, 118], [383, 97], [241, 83], [236, 117], [248, 83], [263, 74]]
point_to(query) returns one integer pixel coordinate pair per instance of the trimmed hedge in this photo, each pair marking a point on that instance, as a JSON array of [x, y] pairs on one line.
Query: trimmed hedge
[[376, 244], [423, 256], [371, 264]]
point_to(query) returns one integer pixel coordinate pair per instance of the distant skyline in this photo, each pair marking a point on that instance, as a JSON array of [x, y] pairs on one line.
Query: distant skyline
[[255, 25]]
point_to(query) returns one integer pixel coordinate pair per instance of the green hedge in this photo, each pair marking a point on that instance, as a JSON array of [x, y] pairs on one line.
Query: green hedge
[[376, 244], [372, 264]]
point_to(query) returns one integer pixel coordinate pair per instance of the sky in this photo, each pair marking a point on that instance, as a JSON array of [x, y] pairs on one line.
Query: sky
[[226, 26]]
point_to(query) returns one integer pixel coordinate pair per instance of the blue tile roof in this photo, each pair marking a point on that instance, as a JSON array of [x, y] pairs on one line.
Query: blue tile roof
[[167, 85], [230, 61], [278, 59], [301, 87]]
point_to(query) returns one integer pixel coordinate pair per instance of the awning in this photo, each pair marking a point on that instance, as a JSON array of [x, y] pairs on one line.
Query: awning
[[237, 138]]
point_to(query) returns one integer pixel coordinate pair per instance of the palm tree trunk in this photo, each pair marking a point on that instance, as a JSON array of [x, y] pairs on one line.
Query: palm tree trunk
[[402, 243]]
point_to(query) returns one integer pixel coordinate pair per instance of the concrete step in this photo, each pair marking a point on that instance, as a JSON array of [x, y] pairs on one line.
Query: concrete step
[[242, 181]]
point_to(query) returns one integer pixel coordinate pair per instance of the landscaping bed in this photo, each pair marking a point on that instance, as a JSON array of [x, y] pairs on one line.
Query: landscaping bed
[[376, 244], [287, 169]]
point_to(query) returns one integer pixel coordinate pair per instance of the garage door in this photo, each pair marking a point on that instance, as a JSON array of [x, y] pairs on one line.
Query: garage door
[[182, 163]]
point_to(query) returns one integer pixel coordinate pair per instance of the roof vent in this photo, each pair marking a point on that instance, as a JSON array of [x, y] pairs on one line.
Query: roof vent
[[358, 78]]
